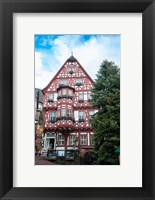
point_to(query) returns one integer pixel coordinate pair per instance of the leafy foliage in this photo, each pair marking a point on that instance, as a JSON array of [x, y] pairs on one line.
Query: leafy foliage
[[106, 122]]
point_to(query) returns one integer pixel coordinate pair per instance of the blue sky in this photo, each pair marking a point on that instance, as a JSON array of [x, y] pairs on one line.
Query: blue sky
[[51, 51]]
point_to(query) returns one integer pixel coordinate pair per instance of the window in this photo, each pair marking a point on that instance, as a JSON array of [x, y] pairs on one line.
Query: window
[[59, 93], [81, 115], [53, 116], [63, 112], [81, 96], [63, 82], [91, 113], [91, 140], [61, 140], [50, 97], [78, 80], [72, 140], [69, 113], [89, 96], [71, 70], [58, 113], [64, 92], [69, 92], [83, 140]]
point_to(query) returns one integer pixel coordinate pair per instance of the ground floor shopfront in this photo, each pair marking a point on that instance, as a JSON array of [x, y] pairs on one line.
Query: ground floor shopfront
[[63, 143]]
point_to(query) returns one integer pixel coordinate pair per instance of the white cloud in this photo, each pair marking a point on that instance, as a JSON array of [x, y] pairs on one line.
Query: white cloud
[[42, 76], [90, 54]]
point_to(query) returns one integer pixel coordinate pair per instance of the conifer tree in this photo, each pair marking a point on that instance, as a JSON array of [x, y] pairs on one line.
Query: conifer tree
[[106, 122]]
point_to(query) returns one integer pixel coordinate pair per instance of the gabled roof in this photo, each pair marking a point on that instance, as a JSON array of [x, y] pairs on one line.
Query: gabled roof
[[70, 59]]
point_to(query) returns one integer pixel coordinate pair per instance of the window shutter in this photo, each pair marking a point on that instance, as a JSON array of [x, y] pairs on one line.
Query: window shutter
[[55, 96], [76, 115]]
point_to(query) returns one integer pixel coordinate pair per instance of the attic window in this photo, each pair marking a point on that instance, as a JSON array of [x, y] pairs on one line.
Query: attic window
[[63, 82], [71, 70], [78, 82]]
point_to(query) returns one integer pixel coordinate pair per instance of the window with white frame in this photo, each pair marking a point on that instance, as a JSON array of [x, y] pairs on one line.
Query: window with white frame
[[69, 113], [63, 112], [69, 92], [61, 140], [89, 96], [81, 96], [51, 96], [91, 113], [64, 92], [83, 139], [81, 115], [91, 140], [53, 116], [64, 82], [71, 69], [78, 80], [72, 140]]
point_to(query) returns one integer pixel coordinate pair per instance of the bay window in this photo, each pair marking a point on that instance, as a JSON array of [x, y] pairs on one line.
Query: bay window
[[63, 112], [69, 114]]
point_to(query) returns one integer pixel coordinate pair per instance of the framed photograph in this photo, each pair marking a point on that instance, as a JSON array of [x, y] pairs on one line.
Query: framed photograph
[[77, 99]]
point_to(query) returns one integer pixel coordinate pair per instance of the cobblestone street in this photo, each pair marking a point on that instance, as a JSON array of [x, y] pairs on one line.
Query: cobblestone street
[[42, 161]]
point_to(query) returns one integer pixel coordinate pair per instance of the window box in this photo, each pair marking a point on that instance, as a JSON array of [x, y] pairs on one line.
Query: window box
[[58, 118], [63, 118], [64, 96], [70, 97], [53, 121], [50, 100], [78, 84], [70, 118], [89, 100], [71, 72], [61, 85], [81, 101], [59, 97], [81, 120]]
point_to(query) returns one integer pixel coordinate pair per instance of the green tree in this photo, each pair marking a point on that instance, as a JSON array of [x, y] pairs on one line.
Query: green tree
[[106, 122]]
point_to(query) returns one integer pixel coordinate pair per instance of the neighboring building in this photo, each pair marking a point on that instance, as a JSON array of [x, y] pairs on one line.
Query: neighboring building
[[67, 109], [38, 119]]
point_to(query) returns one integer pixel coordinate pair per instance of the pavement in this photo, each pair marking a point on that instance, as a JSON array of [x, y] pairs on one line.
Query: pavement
[[43, 161]]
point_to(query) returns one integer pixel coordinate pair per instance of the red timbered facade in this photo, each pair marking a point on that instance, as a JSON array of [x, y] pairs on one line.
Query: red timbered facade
[[67, 109]]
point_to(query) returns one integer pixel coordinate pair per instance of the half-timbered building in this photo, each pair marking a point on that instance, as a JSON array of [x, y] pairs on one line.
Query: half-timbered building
[[67, 109]]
